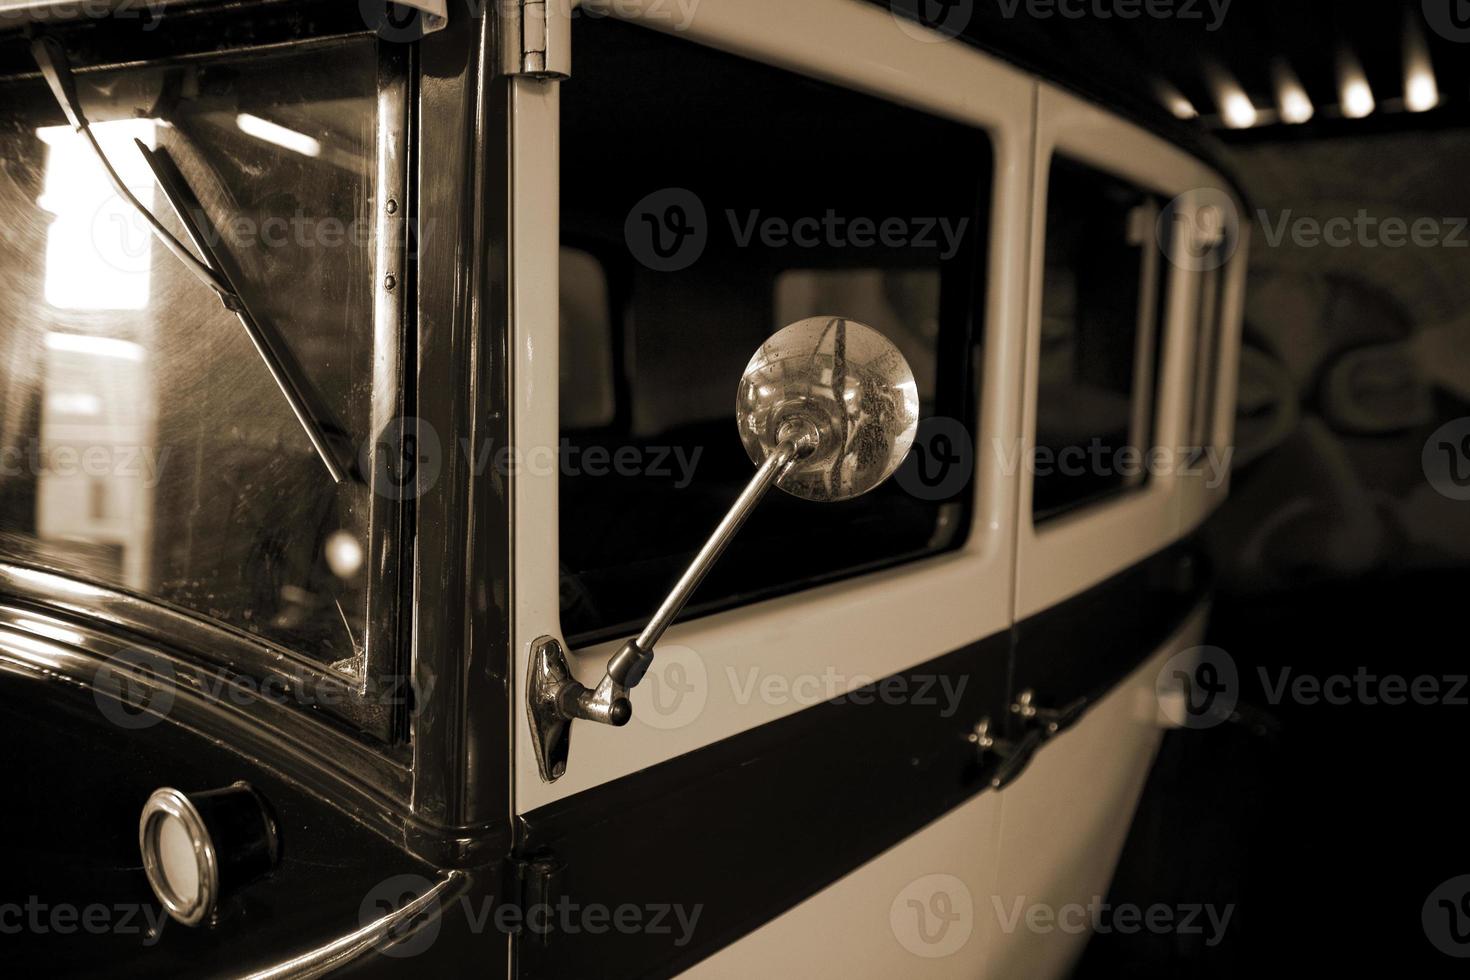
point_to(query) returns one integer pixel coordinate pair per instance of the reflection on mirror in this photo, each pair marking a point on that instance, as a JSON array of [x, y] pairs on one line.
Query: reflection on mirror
[[850, 385]]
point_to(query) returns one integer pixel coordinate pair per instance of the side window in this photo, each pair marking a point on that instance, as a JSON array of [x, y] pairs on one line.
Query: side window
[[739, 199], [1207, 351], [1098, 365]]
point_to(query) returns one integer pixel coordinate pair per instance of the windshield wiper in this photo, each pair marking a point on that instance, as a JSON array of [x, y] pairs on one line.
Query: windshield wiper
[[329, 439]]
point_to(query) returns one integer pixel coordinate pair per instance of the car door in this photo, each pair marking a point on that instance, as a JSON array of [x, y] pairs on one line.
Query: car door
[[798, 765], [1108, 588]]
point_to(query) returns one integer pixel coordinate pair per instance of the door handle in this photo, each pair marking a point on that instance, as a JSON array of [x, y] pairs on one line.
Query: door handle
[[1012, 756]]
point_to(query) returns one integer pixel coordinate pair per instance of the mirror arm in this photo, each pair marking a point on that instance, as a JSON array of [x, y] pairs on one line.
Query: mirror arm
[[608, 703], [628, 669]]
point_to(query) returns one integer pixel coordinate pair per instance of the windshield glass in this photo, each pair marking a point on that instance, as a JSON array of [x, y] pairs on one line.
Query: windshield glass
[[143, 442]]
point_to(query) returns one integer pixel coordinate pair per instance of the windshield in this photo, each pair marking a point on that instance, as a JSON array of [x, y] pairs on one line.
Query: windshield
[[144, 444]]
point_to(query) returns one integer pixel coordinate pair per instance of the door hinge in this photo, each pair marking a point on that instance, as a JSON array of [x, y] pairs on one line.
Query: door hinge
[[536, 38]]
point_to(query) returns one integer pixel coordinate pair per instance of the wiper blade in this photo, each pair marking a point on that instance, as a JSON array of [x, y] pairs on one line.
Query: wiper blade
[[329, 439]]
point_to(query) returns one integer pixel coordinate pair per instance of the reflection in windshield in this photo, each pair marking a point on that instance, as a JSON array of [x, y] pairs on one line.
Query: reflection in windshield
[[143, 443]]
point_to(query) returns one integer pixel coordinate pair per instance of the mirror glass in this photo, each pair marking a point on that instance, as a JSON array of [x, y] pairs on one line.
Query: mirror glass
[[847, 381]]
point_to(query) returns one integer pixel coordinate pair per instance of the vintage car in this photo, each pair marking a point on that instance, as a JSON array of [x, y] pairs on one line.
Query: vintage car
[[368, 385]]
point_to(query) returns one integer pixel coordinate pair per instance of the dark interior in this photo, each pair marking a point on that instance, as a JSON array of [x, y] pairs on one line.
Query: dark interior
[[665, 356]]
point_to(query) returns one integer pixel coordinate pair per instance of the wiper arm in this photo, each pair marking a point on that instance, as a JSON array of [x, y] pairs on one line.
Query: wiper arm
[[329, 439]]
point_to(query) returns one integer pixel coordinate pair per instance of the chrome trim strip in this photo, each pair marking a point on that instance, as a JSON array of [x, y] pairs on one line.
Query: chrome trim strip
[[213, 644], [364, 783], [340, 952]]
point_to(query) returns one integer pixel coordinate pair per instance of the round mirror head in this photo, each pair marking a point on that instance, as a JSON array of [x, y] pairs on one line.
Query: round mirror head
[[846, 382]]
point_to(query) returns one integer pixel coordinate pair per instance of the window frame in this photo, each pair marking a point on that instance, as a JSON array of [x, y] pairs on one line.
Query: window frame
[[374, 699], [1057, 559], [962, 293], [1148, 336], [887, 620]]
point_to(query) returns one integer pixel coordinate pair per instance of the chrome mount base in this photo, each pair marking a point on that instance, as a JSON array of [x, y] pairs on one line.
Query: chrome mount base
[[555, 699]]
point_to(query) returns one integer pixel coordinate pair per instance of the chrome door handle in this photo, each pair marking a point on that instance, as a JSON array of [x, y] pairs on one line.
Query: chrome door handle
[[1012, 756]]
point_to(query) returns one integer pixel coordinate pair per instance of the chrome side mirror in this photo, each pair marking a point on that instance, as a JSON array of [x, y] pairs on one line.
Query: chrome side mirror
[[827, 410]]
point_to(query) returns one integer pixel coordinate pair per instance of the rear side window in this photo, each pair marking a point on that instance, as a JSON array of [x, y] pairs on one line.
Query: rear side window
[[1207, 349], [711, 201], [1096, 376]]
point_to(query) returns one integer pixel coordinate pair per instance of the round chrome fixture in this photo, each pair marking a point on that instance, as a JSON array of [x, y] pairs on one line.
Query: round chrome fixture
[[843, 384], [195, 845]]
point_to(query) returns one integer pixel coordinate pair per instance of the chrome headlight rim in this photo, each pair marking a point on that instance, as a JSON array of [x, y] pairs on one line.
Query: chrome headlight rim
[[168, 803]]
